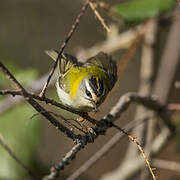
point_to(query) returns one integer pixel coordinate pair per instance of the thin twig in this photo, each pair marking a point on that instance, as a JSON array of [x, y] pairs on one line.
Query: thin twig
[[108, 10], [103, 124], [107, 121], [65, 161], [11, 92], [99, 17], [137, 163], [67, 121], [43, 99], [49, 101], [34, 86], [73, 28], [110, 118], [124, 40], [12, 154], [123, 103], [37, 106], [133, 139], [106, 148]]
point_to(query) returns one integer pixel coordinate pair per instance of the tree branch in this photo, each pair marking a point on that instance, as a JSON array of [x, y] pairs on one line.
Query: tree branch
[[34, 104]]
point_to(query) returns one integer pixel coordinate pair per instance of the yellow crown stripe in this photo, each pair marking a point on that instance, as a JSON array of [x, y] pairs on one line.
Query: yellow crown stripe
[[75, 85], [97, 82], [77, 75]]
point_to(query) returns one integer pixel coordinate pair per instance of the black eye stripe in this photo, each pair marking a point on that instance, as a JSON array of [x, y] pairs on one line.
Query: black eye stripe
[[97, 86], [88, 93], [101, 87], [93, 83]]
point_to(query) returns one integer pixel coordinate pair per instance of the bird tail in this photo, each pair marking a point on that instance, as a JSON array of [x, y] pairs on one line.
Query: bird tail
[[65, 63], [52, 53]]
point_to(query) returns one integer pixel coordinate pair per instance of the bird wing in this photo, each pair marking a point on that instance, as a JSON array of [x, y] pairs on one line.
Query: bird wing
[[105, 62]]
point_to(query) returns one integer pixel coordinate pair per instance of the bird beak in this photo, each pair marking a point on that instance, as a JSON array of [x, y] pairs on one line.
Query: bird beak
[[95, 107]]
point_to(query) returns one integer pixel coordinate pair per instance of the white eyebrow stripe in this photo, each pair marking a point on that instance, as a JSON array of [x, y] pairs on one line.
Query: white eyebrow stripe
[[90, 90], [88, 86], [94, 95]]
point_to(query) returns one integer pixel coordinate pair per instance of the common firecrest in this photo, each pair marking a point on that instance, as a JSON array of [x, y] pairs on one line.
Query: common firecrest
[[84, 86]]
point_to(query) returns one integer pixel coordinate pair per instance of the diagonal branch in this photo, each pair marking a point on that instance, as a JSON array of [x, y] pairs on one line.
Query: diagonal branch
[[133, 139], [100, 128], [34, 86], [121, 41], [10, 92], [36, 106], [49, 101], [106, 148], [106, 123], [135, 163], [73, 28], [54, 171], [92, 5]]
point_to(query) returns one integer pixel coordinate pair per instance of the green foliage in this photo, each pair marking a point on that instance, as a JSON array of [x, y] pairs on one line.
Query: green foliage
[[22, 136], [138, 10], [23, 75]]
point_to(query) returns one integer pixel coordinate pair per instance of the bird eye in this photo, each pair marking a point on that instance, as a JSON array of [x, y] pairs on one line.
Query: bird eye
[[88, 93]]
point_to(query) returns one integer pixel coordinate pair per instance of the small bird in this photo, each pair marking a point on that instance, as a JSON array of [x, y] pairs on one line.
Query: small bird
[[84, 86]]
